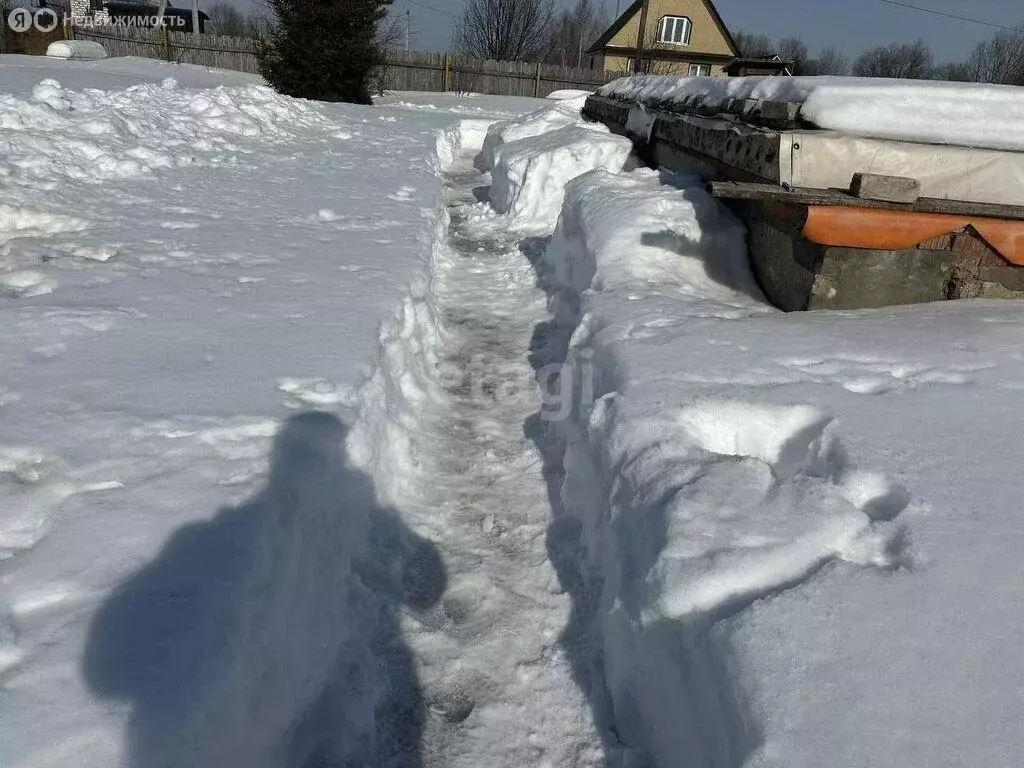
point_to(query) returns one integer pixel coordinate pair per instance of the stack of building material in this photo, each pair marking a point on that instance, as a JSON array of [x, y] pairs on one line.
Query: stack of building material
[[856, 192]]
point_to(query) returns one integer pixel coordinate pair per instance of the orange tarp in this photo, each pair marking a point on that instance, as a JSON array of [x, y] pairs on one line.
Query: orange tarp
[[897, 230]]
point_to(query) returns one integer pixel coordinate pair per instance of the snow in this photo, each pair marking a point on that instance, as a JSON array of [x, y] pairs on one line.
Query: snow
[[76, 49], [793, 528], [568, 93], [529, 175], [278, 486], [563, 114], [928, 111], [20, 74], [188, 261]]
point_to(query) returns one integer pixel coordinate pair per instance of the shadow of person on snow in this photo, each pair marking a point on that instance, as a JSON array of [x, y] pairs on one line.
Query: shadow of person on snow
[[269, 636]]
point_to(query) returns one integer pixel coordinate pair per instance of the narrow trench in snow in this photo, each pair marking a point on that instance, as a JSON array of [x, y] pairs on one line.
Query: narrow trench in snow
[[501, 688]]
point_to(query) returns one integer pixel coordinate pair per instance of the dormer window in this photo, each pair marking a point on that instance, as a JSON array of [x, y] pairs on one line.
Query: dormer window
[[674, 30]]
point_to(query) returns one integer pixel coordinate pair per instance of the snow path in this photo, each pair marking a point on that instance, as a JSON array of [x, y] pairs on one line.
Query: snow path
[[496, 643]]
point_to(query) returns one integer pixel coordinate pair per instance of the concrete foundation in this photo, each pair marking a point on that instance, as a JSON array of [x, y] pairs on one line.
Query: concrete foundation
[[796, 274]]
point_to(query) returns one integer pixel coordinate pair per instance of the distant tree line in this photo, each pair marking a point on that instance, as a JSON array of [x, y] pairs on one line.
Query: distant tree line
[[529, 30], [998, 60]]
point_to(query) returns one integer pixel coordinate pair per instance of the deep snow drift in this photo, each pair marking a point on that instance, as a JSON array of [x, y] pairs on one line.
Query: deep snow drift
[[788, 537], [930, 111]]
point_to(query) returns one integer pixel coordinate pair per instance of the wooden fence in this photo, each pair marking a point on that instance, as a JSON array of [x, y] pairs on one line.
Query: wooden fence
[[402, 70], [235, 53], [422, 71]]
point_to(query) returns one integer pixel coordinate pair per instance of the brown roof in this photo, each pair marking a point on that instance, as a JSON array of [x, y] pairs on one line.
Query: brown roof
[[620, 22]]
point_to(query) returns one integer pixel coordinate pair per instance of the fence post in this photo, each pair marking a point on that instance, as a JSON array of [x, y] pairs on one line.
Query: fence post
[[166, 42], [536, 83], [447, 71]]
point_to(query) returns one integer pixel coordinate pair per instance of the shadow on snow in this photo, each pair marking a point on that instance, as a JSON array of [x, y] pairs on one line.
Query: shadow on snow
[[270, 635]]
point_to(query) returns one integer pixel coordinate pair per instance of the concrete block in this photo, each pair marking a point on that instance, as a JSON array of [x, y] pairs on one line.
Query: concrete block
[[891, 189], [781, 114], [741, 106]]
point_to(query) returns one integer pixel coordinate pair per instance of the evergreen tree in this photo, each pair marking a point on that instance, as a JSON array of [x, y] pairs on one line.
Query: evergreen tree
[[323, 49]]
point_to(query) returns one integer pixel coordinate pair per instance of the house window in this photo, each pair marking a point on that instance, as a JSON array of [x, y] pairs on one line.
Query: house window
[[674, 30], [700, 70]]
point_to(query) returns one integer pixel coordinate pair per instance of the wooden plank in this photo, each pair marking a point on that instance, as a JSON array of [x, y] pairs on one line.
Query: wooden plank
[[735, 190]]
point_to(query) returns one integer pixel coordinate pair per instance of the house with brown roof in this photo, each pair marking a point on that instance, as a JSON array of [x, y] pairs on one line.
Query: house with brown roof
[[680, 37]]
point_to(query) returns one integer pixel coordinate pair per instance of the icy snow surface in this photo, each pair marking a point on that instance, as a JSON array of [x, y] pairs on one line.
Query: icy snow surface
[[929, 111]]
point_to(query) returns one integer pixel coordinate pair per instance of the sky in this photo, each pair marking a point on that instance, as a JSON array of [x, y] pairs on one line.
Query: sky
[[853, 25]]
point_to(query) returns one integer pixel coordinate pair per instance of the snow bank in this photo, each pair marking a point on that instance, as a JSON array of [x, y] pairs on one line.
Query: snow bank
[[94, 136], [76, 49], [966, 114], [694, 499], [391, 400], [530, 174], [562, 114], [644, 228]]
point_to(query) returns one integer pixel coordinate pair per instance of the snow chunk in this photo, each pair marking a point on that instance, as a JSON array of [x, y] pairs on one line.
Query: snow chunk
[[22, 222], [569, 93], [967, 114], [76, 49], [26, 283], [560, 115], [530, 175], [641, 229], [50, 93]]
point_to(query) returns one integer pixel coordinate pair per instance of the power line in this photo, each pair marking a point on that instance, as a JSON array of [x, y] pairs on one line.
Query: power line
[[947, 15], [432, 8]]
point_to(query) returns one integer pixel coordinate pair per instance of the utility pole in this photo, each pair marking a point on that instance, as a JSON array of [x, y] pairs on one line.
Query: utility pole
[[408, 25], [195, 17], [640, 37]]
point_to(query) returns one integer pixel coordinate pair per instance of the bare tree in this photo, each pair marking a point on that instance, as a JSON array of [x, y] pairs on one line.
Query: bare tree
[[795, 50], [999, 60], [753, 46], [392, 34], [831, 61], [901, 60], [225, 19], [572, 31], [506, 30], [955, 72], [257, 25]]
